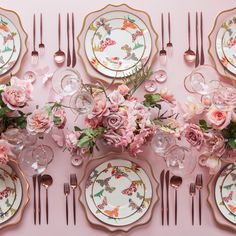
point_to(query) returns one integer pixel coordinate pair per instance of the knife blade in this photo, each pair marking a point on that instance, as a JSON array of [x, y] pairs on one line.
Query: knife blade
[[162, 176], [167, 178], [73, 42], [68, 41]]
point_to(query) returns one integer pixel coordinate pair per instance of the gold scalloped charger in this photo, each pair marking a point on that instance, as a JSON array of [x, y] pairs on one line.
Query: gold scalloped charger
[[220, 195], [117, 193], [13, 47], [116, 41], [14, 194], [221, 49]]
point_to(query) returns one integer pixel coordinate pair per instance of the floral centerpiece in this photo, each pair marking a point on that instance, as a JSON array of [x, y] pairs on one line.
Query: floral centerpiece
[[120, 119], [211, 127]]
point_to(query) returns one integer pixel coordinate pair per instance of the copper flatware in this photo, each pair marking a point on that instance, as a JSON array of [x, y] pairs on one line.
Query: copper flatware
[[189, 55], [169, 45], [73, 185], [167, 178], [175, 182], [192, 192], [59, 56], [34, 189], [34, 53], [199, 185], [68, 41], [202, 60], [73, 42], [162, 176], [197, 50], [67, 192], [162, 51], [39, 198], [46, 181], [41, 44]]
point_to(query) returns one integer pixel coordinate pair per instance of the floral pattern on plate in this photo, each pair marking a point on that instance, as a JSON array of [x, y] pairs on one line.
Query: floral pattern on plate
[[10, 44], [118, 42], [229, 191], [218, 194], [118, 192], [13, 200]]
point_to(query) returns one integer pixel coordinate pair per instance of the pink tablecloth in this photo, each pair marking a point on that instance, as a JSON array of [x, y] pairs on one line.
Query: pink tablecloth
[[61, 168]]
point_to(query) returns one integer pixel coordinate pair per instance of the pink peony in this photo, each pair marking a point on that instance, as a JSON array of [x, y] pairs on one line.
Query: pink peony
[[100, 107], [71, 141], [39, 122], [215, 143], [194, 135], [5, 152], [123, 89], [14, 97], [217, 118], [59, 117], [116, 98]]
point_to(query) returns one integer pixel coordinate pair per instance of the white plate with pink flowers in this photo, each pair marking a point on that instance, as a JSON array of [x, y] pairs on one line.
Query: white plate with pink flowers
[[118, 192]]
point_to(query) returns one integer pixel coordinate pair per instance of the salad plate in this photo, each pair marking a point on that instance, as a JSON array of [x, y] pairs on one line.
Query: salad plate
[[118, 194]]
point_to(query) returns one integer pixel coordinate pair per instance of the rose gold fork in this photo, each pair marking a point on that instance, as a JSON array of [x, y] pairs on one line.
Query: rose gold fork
[[73, 185], [192, 192], [34, 53], [41, 44], [199, 185], [67, 192]]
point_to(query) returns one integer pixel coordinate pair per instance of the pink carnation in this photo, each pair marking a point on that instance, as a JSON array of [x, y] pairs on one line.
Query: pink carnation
[[59, 118], [5, 151]]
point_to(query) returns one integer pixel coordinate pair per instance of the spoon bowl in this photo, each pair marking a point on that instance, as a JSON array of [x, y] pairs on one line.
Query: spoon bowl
[[189, 56], [59, 57]]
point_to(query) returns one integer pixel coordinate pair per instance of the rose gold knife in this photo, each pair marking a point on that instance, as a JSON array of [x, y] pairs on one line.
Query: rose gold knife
[[73, 42], [39, 198], [167, 178], [162, 176]]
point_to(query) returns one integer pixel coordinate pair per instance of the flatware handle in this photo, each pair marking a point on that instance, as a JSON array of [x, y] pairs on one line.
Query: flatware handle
[[162, 208], [202, 50], [192, 211], [34, 32], [59, 31], [67, 215], [169, 30], [68, 42], [197, 51], [34, 189], [162, 30], [176, 207], [39, 198], [74, 207], [41, 28], [189, 31], [73, 41], [200, 208], [47, 206]]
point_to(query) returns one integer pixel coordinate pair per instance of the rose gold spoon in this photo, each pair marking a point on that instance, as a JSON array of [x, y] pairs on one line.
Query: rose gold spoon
[[189, 55]]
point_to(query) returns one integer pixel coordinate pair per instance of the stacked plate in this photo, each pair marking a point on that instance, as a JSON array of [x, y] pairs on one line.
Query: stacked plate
[[10, 44], [225, 193], [118, 192], [10, 193], [117, 43]]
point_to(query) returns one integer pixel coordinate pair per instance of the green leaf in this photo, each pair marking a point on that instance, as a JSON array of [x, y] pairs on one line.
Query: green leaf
[[83, 142], [76, 128], [56, 120], [232, 143], [203, 125], [152, 100]]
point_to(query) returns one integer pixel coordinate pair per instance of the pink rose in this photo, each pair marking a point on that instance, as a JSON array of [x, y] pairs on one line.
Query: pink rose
[[113, 121], [100, 107], [215, 143], [217, 118], [112, 138], [92, 123], [5, 152], [39, 122], [116, 98], [14, 97], [71, 141], [123, 89], [212, 162], [194, 135], [59, 117]]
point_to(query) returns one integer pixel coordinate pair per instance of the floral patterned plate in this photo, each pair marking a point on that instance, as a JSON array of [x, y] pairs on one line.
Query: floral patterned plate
[[229, 191], [11, 193], [219, 192], [10, 44], [120, 42], [225, 44], [118, 192]]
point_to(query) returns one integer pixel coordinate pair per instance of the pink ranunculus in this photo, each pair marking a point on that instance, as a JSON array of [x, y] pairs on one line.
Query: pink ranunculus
[[14, 97], [113, 121], [112, 138], [217, 118], [167, 95], [26, 85], [5, 152], [211, 161], [59, 117], [123, 89], [215, 143], [39, 122], [194, 135], [92, 123], [116, 98], [100, 107], [71, 141]]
